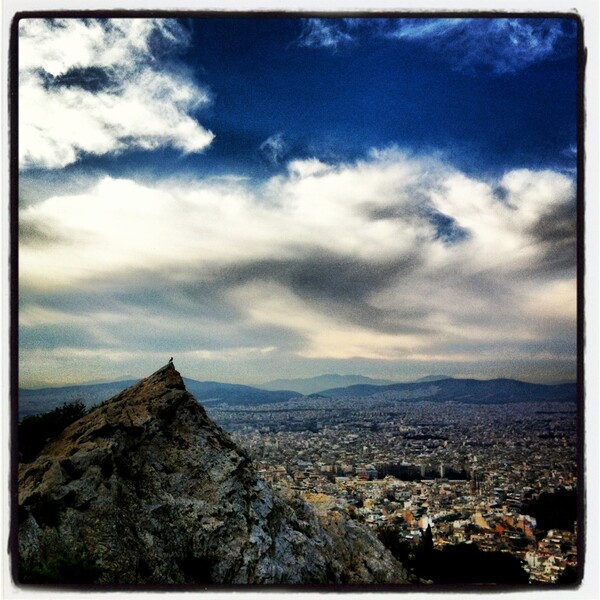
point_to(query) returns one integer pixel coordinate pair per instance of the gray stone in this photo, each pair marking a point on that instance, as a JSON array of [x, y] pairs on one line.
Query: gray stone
[[150, 491]]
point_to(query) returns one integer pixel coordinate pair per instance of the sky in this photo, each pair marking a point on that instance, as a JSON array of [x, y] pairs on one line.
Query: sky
[[268, 198]]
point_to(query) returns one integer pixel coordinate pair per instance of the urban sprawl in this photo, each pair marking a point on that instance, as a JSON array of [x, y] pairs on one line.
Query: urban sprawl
[[464, 470]]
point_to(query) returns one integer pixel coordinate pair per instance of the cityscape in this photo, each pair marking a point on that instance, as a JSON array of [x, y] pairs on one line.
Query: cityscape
[[465, 470], [267, 199]]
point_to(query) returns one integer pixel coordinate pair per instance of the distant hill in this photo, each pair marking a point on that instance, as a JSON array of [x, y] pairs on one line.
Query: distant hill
[[432, 378], [232, 393], [35, 401], [472, 391], [312, 385]]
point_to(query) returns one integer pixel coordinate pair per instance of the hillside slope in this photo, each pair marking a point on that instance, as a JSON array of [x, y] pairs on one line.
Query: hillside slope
[[146, 489], [462, 390]]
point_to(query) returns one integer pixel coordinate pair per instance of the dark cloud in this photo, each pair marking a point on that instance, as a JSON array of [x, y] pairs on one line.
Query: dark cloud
[[558, 225], [132, 327], [417, 208], [338, 285], [170, 310], [164, 291], [564, 343], [556, 231], [65, 335], [36, 234], [349, 287], [149, 310], [91, 79], [445, 228]]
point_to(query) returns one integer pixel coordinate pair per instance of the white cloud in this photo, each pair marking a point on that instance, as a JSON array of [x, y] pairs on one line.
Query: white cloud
[[307, 167], [348, 258], [499, 45], [274, 148], [324, 33], [499, 228], [505, 45], [134, 106]]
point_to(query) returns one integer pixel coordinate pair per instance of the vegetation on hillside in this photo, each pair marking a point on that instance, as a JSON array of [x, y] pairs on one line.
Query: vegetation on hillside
[[453, 564], [37, 430], [554, 510]]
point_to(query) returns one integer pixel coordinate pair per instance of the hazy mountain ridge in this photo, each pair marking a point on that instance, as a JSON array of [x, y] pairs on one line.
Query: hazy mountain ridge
[[313, 385], [147, 489], [39, 400], [463, 390], [459, 390], [231, 393], [34, 401], [430, 378]]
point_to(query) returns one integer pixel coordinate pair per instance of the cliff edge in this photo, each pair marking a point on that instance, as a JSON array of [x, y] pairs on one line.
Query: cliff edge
[[146, 489]]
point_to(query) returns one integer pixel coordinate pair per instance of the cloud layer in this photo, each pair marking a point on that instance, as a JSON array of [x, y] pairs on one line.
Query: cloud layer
[[390, 262], [100, 86], [389, 258], [504, 45]]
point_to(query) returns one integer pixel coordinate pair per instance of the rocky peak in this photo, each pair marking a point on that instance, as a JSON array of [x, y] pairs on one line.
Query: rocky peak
[[147, 489]]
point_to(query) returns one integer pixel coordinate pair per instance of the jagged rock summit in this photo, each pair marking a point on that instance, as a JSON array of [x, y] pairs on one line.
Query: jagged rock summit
[[146, 489]]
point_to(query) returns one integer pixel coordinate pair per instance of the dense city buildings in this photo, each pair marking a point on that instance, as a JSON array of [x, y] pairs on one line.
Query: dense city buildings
[[472, 473]]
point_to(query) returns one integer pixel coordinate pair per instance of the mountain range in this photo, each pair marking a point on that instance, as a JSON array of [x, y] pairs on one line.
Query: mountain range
[[35, 401], [435, 388], [487, 391], [313, 385]]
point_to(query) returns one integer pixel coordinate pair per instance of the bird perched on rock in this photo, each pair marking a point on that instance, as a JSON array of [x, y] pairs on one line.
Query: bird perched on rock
[[171, 360]]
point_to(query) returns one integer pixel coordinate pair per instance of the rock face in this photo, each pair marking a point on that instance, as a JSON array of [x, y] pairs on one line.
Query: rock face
[[147, 489]]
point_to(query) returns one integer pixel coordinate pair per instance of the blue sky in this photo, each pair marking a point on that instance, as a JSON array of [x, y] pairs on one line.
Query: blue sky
[[283, 197]]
